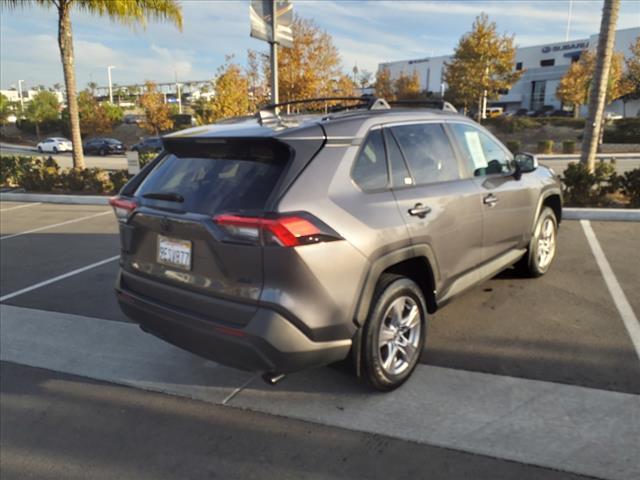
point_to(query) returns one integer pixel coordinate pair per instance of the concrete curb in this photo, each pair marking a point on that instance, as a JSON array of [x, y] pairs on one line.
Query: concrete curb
[[602, 214], [597, 214], [53, 198]]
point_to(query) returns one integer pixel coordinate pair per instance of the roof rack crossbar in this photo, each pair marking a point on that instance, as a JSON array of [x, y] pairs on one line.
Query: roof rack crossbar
[[438, 104]]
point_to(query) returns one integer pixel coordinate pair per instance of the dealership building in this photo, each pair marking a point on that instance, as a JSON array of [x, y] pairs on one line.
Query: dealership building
[[543, 66]]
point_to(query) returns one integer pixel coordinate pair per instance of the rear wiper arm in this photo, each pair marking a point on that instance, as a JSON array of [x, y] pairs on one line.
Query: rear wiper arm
[[168, 196]]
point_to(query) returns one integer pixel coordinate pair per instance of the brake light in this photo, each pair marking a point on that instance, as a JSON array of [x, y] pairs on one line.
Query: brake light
[[288, 230], [122, 207]]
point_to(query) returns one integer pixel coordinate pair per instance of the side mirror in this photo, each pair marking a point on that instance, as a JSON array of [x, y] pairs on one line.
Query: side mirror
[[527, 162]]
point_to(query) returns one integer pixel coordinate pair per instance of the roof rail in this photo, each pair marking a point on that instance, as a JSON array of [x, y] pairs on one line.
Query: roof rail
[[269, 114], [437, 104]]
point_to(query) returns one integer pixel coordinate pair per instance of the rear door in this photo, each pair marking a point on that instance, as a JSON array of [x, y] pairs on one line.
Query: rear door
[[506, 203], [440, 206], [172, 238]]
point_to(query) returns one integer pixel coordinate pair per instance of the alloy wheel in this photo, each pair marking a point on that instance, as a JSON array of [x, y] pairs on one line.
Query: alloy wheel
[[399, 335]]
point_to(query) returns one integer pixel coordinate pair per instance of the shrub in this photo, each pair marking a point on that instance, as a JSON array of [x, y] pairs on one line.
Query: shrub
[[545, 146], [630, 186], [625, 130], [12, 169], [119, 178], [564, 122], [90, 180], [146, 158], [513, 146], [512, 124], [568, 146], [584, 188], [40, 174]]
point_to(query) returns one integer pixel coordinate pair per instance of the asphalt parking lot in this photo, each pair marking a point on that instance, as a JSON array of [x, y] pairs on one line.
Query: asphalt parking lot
[[563, 328]]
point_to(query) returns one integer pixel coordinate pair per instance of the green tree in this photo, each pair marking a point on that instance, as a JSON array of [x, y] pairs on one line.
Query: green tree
[[96, 117], [128, 12], [157, 113], [482, 64], [43, 107], [312, 66], [407, 87], [231, 99], [364, 78], [631, 77], [575, 85], [384, 85], [5, 109]]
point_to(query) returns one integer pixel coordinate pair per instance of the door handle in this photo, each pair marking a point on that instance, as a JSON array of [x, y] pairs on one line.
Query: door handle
[[419, 210], [490, 200]]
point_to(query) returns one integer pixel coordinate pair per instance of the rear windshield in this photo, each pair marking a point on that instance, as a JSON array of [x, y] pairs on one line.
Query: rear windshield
[[214, 178]]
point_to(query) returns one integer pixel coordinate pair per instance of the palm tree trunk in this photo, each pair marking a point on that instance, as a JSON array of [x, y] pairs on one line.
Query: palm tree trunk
[[65, 42], [606, 40]]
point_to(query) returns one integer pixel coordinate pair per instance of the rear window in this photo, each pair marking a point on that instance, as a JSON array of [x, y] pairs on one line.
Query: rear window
[[217, 177]]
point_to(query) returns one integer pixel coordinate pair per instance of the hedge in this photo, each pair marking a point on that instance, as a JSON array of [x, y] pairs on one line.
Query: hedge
[[45, 175], [583, 188]]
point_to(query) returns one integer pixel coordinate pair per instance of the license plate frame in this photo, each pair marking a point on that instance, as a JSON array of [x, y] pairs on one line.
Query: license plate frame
[[174, 252]]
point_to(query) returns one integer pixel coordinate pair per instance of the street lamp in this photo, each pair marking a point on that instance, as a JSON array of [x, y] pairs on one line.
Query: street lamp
[[178, 86], [20, 95], [110, 88]]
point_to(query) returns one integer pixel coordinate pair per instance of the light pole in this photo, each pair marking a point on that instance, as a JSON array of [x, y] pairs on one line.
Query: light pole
[[274, 53], [179, 93], [110, 87], [20, 95], [566, 37]]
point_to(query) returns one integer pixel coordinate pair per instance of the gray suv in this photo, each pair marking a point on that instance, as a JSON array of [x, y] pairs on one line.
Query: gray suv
[[279, 243]]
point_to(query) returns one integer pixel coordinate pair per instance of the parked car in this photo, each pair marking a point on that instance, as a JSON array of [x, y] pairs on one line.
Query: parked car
[[149, 144], [55, 145], [277, 245], [103, 146], [611, 116], [492, 112], [132, 119], [523, 112]]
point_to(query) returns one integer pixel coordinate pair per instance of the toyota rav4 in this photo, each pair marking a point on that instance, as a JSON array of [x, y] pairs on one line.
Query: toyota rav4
[[284, 242]]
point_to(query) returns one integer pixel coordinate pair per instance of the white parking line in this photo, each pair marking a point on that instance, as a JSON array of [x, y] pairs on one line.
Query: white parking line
[[47, 227], [619, 298], [20, 206], [58, 278]]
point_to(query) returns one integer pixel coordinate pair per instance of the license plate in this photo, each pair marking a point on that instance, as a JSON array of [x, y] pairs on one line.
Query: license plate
[[174, 252]]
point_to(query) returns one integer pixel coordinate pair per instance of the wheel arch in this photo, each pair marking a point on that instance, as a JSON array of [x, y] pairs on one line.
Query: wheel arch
[[416, 262], [551, 198]]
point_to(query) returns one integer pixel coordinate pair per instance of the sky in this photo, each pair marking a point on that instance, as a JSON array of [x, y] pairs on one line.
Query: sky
[[365, 32]]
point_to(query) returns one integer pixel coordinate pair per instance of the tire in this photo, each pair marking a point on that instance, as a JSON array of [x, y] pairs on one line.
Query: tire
[[55, 149], [40, 149], [387, 364], [103, 152], [542, 247]]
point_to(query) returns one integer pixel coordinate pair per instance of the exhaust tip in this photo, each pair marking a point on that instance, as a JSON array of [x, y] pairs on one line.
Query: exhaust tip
[[273, 378]]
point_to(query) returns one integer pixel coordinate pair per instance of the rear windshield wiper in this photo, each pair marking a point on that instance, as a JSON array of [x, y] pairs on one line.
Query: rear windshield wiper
[[168, 196]]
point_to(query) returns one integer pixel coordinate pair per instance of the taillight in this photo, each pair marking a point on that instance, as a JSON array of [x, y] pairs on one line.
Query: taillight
[[287, 230], [122, 207]]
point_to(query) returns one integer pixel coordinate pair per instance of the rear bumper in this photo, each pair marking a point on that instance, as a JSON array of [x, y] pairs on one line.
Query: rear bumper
[[268, 343]]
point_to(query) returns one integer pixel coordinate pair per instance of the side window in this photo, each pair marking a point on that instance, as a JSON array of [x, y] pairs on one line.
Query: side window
[[370, 169], [483, 154], [428, 152], [400, 176]]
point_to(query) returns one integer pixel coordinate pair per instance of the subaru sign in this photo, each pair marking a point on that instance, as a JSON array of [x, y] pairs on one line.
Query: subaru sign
[[566, 46]]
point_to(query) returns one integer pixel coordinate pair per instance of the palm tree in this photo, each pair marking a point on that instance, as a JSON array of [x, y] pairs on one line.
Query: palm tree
[[92, 87], [128, 12], [598, 92]]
